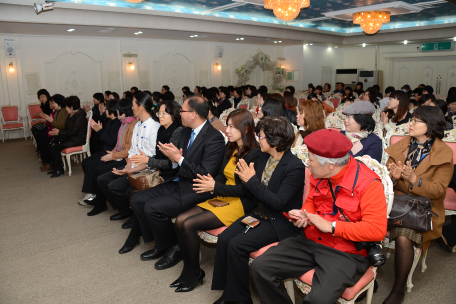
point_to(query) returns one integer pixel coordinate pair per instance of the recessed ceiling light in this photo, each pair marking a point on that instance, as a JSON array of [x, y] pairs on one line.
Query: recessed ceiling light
[[329, 47], [307, 44], [336, 46], [192, 36], [280, 41], [111, 28], [311, 44], [454, 38], [70, 30], [241, 38], [364, 45], [195, 35], [237, 38], [275, 41], [405, 41], [139, 32], [136, 33]]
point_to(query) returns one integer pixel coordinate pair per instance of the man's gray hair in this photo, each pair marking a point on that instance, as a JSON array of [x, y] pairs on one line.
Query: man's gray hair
[[336, 161]]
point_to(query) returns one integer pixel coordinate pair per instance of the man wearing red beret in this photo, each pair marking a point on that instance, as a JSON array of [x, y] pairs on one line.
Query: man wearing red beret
[[346, 205]]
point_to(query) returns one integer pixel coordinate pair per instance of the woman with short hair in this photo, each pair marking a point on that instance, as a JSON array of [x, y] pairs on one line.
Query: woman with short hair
[[397, 113], [276, 183], [359, 88], [371, 95], [310, 119], [420, 164]]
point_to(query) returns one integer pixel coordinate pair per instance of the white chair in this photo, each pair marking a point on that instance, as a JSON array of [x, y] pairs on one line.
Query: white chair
[[333, 121], [11, 120], [33, 109], [225, 114], [82, 151]]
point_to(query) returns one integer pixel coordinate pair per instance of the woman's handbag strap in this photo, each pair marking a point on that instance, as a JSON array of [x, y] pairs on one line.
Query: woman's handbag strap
[[396, 217]]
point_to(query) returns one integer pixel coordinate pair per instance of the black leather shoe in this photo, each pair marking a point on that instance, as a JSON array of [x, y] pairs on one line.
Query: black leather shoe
[[175, 284], [128, 224], [443, 246], [57, 174], [183, 288], [117, 217], [364, 294], [126, 249], [51, 172], [221, 300], [171, 258], [152, 255], [99, 208]]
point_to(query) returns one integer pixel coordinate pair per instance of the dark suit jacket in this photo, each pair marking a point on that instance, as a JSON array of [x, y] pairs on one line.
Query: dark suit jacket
[[225, 105], [204, 157], [75, 129], [372, 146], [284, 192], [238, 190]]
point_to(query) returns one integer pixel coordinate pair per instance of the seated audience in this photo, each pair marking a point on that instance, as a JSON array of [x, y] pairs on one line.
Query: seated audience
[[327, 88], [310, 119], [106, 96], [113, 95], [407, 90], [442, 105], [56, 119], [339, 88], [39, 130], [327, 108], [276, 183], [133, 91], [426, 100], [311, 90], [199, 152], [358, 90], [379, 92], [348, 95], [227, 188], [108, 136], [420, 164], [397, 113], [417, 93], [384, 101], [421, 86], [359, 127], [290, 89], [289, 101], [270, 107], [319, 92], [428, 90], [115, 158], [73, 135], [448, 239], [114, 184], [128, 94], [164, 89], [287, 113], [371, 95], [186, 95], [329, 242], [213, 120], [99, 116], [451, 102], [223, 101], [237, 96]]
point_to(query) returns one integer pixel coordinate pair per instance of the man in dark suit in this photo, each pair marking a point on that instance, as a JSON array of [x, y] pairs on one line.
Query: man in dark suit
[[200, 151]]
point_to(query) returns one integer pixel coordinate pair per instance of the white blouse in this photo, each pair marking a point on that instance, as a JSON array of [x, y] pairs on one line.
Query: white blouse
[[144, 138]]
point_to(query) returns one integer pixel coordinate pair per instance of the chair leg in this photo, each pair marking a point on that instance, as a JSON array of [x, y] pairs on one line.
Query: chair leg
[[69, 164], [416, 258], [64, 163], [423, 262], [370, 293], [24, 134], [289, 286]]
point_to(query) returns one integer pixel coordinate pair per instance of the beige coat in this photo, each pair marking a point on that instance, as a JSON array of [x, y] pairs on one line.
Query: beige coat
[[218, 125], [436, 171], [126, 142]]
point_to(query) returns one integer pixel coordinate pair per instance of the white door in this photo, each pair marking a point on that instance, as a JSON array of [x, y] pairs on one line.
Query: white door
[[326, 74], [404, 70]]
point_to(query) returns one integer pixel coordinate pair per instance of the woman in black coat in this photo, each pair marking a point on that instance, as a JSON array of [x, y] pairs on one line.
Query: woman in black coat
[[227, 188], [223, 103], [276, 182], [73, 135]]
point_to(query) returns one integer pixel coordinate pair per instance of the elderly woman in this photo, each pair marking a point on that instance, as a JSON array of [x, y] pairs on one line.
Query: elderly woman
[[359, 126], [310, 119], [397, 113], [73, 135], [420, 164], [275, 182]]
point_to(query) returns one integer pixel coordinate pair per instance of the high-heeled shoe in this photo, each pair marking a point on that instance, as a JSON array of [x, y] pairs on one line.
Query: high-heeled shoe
[[126, 249], [182, 288], [175, 284], [402, 299]]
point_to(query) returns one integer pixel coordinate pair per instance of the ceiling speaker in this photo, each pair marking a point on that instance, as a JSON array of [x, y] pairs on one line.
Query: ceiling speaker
[[10, 47]]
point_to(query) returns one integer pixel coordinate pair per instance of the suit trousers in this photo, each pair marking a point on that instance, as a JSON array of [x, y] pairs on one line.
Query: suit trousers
[[231, 267], [89, 166], [154, 208], [114, 188], [42, 144], [56, 156], [335, 270]]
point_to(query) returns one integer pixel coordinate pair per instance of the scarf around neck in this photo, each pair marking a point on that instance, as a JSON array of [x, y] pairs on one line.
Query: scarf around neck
[[356, 136], [164, 136], [124, 123], [418, 152]]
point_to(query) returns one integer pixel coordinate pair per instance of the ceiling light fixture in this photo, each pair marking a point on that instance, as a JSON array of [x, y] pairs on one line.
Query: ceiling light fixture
[[218, 66], [131, 65], [241, 38], [371, 21], [336, 46], [364, 45], [286, 10], [237, 38], [454, 38], [70, 30], [43, 7], [135, 1], [405, 41], [307, 44], [11, 67], [311, 44]]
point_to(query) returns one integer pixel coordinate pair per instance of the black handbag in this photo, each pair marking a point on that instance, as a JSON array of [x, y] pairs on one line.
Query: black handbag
[[57, 140], [411, 211]]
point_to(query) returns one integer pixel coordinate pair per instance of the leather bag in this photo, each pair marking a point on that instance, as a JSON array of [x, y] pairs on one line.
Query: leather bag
[[410, 211], [145, 179], [218, 203]]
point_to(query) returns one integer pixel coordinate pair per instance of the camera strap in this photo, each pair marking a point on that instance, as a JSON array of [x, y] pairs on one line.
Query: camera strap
[[334, 202]]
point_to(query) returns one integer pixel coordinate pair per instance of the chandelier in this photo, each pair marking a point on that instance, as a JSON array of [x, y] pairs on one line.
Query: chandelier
[[135, 1], [371, 21], [286, 10]]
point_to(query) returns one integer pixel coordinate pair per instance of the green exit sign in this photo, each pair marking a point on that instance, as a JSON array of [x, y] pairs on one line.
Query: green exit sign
[[437, 46]]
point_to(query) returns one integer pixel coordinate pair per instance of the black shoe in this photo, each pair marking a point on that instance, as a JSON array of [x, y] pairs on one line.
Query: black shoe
[[171, 258], [57, 174], [126, 249], [128, 224], [51, 172], [183, 288], [99, 208], [444, 247], [117, 217], [364, 294], [175, 284], [221, 300], [152, 255]]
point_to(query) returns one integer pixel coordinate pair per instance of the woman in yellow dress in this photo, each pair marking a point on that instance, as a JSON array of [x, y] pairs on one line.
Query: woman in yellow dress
[[230, 197]]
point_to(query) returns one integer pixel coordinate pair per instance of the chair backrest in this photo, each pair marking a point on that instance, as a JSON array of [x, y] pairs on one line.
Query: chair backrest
[[244, 106], [398, 132], [306, 185], [335, 102], [225, 114], [10, 113], [89, 131], [34, 109]]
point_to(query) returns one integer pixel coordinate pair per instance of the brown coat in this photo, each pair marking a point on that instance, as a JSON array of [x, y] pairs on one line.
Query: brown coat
[[435, 171], [218, 125], [126, 142]]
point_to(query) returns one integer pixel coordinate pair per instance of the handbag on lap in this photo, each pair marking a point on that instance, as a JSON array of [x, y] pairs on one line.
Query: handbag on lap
[[145, 179]]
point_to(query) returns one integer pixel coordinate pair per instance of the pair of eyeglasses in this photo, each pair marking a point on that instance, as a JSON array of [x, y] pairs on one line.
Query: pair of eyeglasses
[[162, 114], [261, 137], [414, 121]]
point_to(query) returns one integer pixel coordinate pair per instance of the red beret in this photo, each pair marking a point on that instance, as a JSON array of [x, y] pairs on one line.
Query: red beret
[[328, 143]]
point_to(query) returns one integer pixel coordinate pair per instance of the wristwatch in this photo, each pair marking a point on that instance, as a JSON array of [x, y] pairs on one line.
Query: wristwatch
[[333, 225]]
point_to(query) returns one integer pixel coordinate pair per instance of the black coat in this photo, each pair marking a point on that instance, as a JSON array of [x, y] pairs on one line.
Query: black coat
[[75, 129], [204, 157], [224, 105], [238, 190], [283, 193], [291, 116], [108, 135]]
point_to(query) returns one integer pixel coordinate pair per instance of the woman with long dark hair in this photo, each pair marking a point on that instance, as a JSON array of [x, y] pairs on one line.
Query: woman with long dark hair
[[229, 204], [397, 113]]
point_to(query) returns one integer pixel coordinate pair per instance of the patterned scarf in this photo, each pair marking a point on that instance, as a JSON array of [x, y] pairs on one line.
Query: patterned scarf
[[356, 136], [418, 152], [124, 123]]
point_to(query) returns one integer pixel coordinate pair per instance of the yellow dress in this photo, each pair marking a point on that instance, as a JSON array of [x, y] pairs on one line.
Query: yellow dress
[[230, 213]]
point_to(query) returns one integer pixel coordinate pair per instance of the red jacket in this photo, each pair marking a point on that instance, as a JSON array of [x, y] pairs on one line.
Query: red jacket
[[360, 197]]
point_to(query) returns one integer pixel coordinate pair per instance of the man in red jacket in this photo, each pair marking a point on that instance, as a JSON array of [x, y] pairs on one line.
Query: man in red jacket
[[346, 204]]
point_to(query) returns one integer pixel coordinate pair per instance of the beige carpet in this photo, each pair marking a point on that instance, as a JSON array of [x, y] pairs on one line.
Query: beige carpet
[[51, 252]]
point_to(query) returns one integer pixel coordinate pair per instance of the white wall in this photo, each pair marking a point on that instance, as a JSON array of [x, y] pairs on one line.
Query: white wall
[[84, 65]]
